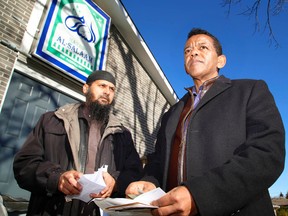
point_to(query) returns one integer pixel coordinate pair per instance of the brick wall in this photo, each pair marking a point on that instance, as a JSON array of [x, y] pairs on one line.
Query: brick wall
[[14, 14], [7, 58]]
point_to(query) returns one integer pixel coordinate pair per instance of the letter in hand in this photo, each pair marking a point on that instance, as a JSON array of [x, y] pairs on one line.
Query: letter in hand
[[136, 188], [108, 190], [68, 182], [178, 201]]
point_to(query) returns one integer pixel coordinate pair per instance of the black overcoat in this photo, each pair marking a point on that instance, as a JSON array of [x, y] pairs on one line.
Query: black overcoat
[[235, 148]]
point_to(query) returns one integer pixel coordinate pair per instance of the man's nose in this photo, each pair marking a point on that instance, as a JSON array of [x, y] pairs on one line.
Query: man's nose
[[194, 52], [107, 90]]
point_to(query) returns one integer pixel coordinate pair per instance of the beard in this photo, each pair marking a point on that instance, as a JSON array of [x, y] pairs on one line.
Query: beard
[[99, 112]]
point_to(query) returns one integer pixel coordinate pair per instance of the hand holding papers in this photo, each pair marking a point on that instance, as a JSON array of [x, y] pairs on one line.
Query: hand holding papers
[[91, 183], [141, 202]]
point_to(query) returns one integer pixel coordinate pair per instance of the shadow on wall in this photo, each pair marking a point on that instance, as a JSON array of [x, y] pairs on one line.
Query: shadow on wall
[[141, 113]]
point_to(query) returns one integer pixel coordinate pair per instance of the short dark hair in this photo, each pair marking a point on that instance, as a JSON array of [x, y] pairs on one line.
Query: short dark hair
[[216, 43]]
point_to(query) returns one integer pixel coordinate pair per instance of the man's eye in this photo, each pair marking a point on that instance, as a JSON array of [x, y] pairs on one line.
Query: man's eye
[[187, 51], [203, 47]]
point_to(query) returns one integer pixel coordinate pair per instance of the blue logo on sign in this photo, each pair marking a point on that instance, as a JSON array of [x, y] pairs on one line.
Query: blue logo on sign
[[78, 25]]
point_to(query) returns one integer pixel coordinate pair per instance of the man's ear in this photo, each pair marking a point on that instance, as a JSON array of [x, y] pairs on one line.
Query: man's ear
[[221, 61], [85, 88]]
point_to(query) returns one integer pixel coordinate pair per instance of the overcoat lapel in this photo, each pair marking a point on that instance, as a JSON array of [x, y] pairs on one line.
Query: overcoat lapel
[[220, 85]]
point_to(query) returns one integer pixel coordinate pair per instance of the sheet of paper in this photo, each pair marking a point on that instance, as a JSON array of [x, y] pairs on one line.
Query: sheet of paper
[[149, 196], [91, 183], [140, 205]]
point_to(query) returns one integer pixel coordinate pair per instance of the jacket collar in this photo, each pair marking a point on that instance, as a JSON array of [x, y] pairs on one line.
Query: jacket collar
[[220, 85], [69, 114]]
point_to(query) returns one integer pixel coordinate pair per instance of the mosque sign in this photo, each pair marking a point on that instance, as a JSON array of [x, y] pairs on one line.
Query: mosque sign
[[74, 37]]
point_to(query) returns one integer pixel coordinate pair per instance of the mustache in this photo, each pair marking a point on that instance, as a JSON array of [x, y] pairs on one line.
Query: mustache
[[104, 96]]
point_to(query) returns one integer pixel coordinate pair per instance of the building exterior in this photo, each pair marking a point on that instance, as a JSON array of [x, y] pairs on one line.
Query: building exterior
[[30, 86], [280, 205]]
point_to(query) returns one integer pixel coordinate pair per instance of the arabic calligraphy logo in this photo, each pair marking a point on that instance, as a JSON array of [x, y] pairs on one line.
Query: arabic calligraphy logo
[[79, 25]]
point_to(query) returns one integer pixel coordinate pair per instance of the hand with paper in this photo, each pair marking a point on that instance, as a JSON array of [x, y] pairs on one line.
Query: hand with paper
[[68, 182], [93, 185], [107, 191], [140, 204], [139, 187]]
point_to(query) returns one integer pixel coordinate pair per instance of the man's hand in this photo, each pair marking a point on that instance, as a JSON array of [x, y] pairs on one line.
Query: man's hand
[[178, 201], [68, 182], [138, 187], [107, 191]]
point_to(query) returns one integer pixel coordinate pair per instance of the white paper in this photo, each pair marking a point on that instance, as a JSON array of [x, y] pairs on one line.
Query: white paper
[[91, 183], [122, 206], [150, 196]]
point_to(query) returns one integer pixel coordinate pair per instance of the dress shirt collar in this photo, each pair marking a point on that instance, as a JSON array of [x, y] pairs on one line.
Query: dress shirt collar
[[204, 87]]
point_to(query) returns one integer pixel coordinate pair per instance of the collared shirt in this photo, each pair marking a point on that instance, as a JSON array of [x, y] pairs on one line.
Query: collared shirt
[[202, 90]]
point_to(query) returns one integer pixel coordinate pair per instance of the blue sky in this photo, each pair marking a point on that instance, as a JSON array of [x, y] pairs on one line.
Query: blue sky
[[164, 26]]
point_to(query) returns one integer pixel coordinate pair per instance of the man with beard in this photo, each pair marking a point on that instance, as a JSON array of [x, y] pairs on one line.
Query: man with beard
[[76, 139]]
